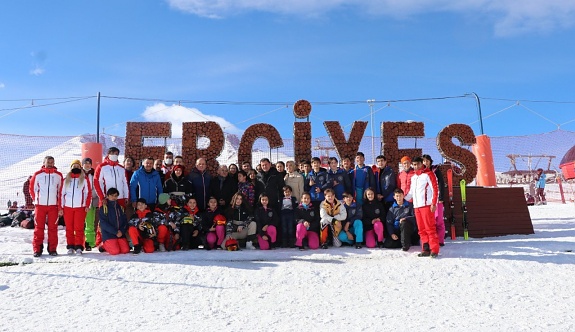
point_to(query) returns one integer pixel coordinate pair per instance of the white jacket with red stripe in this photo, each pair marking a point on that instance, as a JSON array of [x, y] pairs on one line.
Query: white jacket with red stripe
[[423, 189], [76, 191], [46, 186], [110, 174]]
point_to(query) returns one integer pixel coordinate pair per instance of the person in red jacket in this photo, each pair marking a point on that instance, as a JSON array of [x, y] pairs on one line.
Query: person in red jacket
[[76, 199], [424, 192], [404, 176], [45, 189]]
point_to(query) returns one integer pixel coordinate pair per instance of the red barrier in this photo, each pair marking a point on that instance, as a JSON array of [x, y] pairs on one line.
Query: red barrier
[[485, 168], [94, 152]]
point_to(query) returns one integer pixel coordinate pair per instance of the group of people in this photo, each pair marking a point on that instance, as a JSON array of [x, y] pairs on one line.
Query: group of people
[[166, 207]]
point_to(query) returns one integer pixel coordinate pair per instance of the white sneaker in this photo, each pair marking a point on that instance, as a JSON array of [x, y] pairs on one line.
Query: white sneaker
[[70, 251], [162, 247], [79, 252], [250, 245]]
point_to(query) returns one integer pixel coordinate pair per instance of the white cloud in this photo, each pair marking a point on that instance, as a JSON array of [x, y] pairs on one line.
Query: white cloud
[[508, 17], [39, 59], [37, 71], [176, 115], [2, 85]]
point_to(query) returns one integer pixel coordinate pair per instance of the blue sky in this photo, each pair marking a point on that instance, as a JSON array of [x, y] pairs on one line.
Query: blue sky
[[145, 56]]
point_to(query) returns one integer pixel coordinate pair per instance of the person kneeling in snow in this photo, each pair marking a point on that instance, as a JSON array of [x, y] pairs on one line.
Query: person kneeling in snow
[[332, 214], [113, 225], [400, 222], [141, 230]]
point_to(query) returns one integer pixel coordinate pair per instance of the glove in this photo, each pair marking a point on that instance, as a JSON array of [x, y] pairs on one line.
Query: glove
[[396, 224]]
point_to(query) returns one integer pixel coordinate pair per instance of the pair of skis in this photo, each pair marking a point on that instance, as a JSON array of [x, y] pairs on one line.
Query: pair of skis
[[462, 185]]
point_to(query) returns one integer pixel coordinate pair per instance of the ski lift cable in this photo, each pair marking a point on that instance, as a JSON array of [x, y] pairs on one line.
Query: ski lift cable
[[541, 116], [495, 113], [564, 123], [31, 105], [368, 115]]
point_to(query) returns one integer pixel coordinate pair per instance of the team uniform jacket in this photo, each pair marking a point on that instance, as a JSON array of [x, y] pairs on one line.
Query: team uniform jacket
[[354, 212], [372, 210], [423, 188], [46, 186], [321, 182], [386, 182], [397, 212], [110, 174], [308, 214], [77, 193], [265, 217], [342, 179]]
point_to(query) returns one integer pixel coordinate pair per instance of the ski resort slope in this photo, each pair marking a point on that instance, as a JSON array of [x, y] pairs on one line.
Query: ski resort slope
[[511, 283]]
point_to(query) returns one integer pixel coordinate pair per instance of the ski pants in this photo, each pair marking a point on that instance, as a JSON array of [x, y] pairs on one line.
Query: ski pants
[[356, 229], [302, 233], [117, 246], [426, 226], [216, 237], [91, 225], [440, 223], [45, 214], [74, 219], [271, 233]]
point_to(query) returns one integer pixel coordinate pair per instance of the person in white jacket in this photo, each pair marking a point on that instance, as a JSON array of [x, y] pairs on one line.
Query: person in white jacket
[[332, 214], [110, 174], [45, 189], [76, 199], [424, 192]]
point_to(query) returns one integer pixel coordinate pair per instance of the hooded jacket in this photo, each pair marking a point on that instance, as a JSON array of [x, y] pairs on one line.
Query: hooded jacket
[[112, 220], [110, 174], [423, 189], [76, 191], [46, 186]]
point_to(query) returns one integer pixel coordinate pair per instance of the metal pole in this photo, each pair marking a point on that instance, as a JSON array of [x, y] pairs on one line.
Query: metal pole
[[98, 121], [479, 109], [370, 102]]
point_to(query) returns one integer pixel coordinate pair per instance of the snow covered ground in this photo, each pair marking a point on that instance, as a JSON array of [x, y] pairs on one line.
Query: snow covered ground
[[511, 283]]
